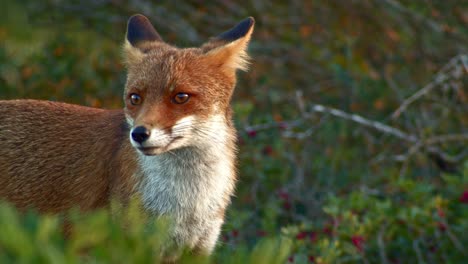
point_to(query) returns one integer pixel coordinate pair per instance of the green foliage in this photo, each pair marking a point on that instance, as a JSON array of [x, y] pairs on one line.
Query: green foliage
[[406, 218], [116, 236], [127, 236], [338, 195]]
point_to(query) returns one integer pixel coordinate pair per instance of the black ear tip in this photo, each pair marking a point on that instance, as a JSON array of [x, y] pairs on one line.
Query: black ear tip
[[239, 31], [137, 19], [246, 24], [251, 21], [139, 28]]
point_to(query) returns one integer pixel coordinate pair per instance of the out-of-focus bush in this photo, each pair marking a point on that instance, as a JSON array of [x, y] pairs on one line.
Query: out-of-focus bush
[[116, 236]]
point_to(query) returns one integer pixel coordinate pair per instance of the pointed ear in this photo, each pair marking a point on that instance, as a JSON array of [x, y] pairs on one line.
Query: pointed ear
[[228, 49], [139, 31]]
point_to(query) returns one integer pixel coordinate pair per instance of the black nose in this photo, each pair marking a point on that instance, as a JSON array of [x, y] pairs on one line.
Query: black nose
[[140, 134]]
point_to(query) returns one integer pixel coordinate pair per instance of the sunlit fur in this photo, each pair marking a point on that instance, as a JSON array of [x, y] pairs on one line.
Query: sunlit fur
[[234, 54]]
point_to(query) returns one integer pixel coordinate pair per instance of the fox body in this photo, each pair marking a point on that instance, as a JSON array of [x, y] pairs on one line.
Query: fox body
[[173, 144]]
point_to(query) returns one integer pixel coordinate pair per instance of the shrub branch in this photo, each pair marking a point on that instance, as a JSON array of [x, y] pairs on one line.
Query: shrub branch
[[450, 71]]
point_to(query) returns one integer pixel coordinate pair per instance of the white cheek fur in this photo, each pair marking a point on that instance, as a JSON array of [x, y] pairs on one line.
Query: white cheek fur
[[129, 120], [183, 125], [161, 138], [158, 138]]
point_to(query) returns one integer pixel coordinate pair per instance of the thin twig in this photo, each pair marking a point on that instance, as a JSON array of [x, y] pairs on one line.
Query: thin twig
[[435, 26], [433, 150], [439, 78], [280, 124], [418, 143], [365, 122], [436, 140], [300, 101], [381, 244], [418, 251], [456, 242]]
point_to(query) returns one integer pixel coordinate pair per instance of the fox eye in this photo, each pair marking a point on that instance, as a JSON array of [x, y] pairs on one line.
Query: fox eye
[[181, 98], [135, 99]]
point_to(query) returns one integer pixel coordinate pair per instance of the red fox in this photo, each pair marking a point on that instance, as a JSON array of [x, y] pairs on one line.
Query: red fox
[[173, 144]]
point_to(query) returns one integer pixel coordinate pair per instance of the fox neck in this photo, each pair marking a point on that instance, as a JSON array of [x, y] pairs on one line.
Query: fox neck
[[190, 180]]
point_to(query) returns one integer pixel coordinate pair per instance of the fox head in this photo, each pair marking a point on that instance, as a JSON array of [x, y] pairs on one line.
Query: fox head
[[180, 97]]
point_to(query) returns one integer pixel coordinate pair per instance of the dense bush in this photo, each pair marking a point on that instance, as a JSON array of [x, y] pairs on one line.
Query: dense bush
[[122, 236], [314, 186]]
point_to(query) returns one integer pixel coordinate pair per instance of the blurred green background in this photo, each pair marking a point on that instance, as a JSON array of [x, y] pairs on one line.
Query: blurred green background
[[338, 189]]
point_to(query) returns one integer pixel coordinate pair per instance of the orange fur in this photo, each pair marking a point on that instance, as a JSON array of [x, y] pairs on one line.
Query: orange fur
[[55, 156]]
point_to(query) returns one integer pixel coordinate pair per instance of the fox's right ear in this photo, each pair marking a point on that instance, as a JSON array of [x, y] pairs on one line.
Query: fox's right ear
[[139, 31], [229, 49]]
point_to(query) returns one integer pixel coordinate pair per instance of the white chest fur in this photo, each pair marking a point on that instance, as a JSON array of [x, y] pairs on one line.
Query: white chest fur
[[187, 182], [192, 184]]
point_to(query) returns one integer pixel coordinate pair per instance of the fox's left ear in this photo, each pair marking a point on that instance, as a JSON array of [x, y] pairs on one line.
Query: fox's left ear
[[140, 31], [229, 49]]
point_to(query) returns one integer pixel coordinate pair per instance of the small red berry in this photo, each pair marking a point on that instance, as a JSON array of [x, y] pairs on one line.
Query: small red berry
[[252, 133], [464, 197], [358, 242], [235, 233], [440, 213], [291, 259], [283, 195], [401, 222], [327, 230], [267, 151], [311, 259], [261, 233], [441, 226], [241, 141], [301, 235], [286, 205]]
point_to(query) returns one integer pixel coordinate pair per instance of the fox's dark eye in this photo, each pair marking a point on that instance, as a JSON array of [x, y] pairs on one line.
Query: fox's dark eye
[[181, 98], [135, 99]]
